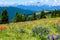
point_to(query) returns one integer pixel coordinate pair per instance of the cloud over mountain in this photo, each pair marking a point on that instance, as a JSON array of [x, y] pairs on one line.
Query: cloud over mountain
[[5, 3], [31, 2]]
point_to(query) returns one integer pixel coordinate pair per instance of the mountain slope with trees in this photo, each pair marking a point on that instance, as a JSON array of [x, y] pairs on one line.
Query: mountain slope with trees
[[23, 17]]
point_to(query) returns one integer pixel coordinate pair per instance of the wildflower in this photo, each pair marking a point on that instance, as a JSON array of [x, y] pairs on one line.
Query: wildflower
[[2, 28], [48, 37], [58, 36], [40, 30], [34, 29], [22, 30], [52, 37]]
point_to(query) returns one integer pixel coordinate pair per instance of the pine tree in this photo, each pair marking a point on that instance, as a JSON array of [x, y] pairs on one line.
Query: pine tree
[[58, 13], [17, 17], [4, 18], [42, 15], [29, 18], [24, 18], [0, 20], [54, 12], [34, 16]]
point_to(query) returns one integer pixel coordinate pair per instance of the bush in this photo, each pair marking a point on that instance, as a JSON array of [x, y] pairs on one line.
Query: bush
[[22, 30], [40, 31]]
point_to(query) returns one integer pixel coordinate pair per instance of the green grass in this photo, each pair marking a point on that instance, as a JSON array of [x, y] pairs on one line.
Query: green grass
[[13, 29]]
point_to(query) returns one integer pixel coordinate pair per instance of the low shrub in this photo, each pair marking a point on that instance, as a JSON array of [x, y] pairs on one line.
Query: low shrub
[[22, 30], [40, 31]]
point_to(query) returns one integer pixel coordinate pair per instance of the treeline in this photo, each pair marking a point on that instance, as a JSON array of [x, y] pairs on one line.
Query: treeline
[[22, 17]]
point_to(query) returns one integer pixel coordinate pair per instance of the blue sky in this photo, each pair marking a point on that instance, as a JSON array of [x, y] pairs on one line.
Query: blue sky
[[29, 2]]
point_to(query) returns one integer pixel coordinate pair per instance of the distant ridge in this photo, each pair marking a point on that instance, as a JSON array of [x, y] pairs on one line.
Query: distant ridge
[[28, 10]]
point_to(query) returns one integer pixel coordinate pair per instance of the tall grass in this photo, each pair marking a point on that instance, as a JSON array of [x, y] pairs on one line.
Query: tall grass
[[31, 30]]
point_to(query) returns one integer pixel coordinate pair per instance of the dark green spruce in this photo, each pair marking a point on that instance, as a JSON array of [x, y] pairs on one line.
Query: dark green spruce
[[4, 17]]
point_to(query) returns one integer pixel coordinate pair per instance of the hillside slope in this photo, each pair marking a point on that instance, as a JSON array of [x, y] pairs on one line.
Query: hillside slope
[[11, 31]]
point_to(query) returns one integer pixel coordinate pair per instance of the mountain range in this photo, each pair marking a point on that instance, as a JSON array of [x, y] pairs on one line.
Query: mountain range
[[28, 10]]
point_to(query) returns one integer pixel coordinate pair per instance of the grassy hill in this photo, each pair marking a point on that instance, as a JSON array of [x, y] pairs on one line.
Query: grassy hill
[[23, 30]]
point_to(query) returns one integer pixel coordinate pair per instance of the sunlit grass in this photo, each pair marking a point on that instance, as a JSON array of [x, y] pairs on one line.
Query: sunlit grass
[[12, 31]]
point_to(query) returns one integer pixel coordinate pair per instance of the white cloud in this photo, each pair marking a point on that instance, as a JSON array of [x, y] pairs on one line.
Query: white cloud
[[51, 2], [29, 2], [43, 2], [56, 3], [32, 2], [5, 3]]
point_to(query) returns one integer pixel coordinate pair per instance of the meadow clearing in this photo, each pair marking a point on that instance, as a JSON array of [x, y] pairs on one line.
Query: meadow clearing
[[49, 29]]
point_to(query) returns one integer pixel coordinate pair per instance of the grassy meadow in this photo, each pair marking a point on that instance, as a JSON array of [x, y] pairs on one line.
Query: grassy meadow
[[23, 30]]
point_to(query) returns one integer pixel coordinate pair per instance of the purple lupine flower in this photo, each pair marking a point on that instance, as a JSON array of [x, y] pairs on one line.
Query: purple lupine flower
[[58, 36], [48, 37], [34, 29], [52, 37]]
